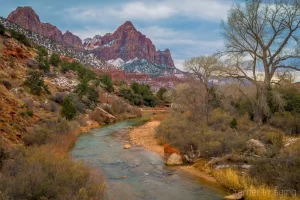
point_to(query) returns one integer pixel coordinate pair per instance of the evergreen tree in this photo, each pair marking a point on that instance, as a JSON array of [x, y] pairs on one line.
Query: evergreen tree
[[68, 109]]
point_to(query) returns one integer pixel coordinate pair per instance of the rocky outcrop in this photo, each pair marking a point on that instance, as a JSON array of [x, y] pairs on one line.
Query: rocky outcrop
[[26, 18], [72, 40], [127, 43], [256, 147]]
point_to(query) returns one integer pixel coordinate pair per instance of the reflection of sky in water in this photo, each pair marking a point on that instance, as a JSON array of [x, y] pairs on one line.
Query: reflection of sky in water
[[146, 175]]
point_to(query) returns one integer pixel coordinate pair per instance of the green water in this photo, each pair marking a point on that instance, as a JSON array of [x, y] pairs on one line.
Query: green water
[[147, 176]]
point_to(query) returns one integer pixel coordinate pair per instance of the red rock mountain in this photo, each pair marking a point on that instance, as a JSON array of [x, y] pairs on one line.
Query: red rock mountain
[[128, 43], [28, 19]]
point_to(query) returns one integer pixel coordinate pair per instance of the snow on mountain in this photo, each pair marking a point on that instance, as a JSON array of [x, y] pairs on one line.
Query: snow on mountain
[[117, 62]]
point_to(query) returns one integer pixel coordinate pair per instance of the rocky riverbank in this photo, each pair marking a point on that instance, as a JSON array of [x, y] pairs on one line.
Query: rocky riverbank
[[145, 136]]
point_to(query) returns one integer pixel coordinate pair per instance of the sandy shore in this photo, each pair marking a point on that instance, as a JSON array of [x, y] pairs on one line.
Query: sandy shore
[[145, 136]]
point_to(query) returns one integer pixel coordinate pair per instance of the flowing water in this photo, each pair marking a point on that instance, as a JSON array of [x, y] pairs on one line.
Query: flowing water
[[136, 173]]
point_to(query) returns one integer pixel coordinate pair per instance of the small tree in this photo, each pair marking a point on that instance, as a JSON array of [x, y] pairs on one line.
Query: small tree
[[2, 29], [36, 82], [55, 59], [68, 109], [233, 123], [42, 59], [107, 81], [160, 93], [204, 67]]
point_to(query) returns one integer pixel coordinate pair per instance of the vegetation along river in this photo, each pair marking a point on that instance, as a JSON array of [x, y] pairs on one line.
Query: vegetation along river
[[136, 173]]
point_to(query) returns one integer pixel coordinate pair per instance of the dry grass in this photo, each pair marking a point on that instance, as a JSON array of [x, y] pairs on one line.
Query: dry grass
[[232, 180]]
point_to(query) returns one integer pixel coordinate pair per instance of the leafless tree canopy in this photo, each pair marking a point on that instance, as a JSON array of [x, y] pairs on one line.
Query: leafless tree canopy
[[262, 34]]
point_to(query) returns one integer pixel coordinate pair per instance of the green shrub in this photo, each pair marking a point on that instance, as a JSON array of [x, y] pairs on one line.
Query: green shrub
[[54, 59], [161, 93], [233, 123], [2, 29], [42, 59], [35, 82], [29, 113], [107, 81], [20, 37], [68, 109]]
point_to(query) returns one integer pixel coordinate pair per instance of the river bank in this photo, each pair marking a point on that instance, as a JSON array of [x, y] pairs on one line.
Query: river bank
[[145, 136]]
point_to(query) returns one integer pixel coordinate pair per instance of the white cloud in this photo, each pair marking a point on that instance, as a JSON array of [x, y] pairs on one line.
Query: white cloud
[[145, 10], [90, 32]]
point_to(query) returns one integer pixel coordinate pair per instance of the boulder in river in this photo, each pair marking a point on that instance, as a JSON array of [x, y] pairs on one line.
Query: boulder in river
[[174, 159], [127, 146]]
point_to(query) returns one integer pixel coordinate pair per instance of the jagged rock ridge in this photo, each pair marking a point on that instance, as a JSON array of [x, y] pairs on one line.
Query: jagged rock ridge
[[127, 43], [85, 58], [26, 18]]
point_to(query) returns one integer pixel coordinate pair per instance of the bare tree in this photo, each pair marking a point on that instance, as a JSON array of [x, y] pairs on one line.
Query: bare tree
[[262, 38], [204, 68]]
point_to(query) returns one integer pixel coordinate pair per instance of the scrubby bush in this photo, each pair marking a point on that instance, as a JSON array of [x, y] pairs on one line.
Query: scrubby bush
[[54, 59], [2, 29], [35, 82], [20, 37], [160, 93], [107, 81], [59, 97], [68, 109], [42, 59], [38, 173]]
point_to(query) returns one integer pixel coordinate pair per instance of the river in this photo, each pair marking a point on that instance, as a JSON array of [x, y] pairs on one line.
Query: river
[[136, 173]]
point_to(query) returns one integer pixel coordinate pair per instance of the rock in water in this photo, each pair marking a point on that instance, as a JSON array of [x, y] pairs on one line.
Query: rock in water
[[174, 159], [127, 146]]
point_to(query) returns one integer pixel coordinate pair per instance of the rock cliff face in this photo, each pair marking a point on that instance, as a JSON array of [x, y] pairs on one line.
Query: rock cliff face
[[127, 43], [26, 18]]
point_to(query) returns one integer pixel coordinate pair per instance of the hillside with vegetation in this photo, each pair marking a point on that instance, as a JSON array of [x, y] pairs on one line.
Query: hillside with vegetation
[[246, 133], [46, 101]]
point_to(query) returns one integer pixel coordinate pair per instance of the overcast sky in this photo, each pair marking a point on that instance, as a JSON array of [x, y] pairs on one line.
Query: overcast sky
[[188, 28]]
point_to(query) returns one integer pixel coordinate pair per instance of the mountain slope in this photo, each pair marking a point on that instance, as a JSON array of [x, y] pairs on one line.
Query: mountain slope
[[26, 18], [127, 43]]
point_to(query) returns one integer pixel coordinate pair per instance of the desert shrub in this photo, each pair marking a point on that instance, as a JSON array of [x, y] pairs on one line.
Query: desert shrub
[[20, 37], [38, 173], [233, 123], [26, 113], [2, 29], [68, 109], [59, 97], [29, 113], [108, 109], [42, 59], [41, 135], [107, 81], [54, 59], [287, 121], [35, 82], [7, 84], [3, 155], [28, 103]]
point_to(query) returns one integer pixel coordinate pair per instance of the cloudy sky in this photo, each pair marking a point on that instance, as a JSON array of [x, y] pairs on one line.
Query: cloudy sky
[[188, 28]]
